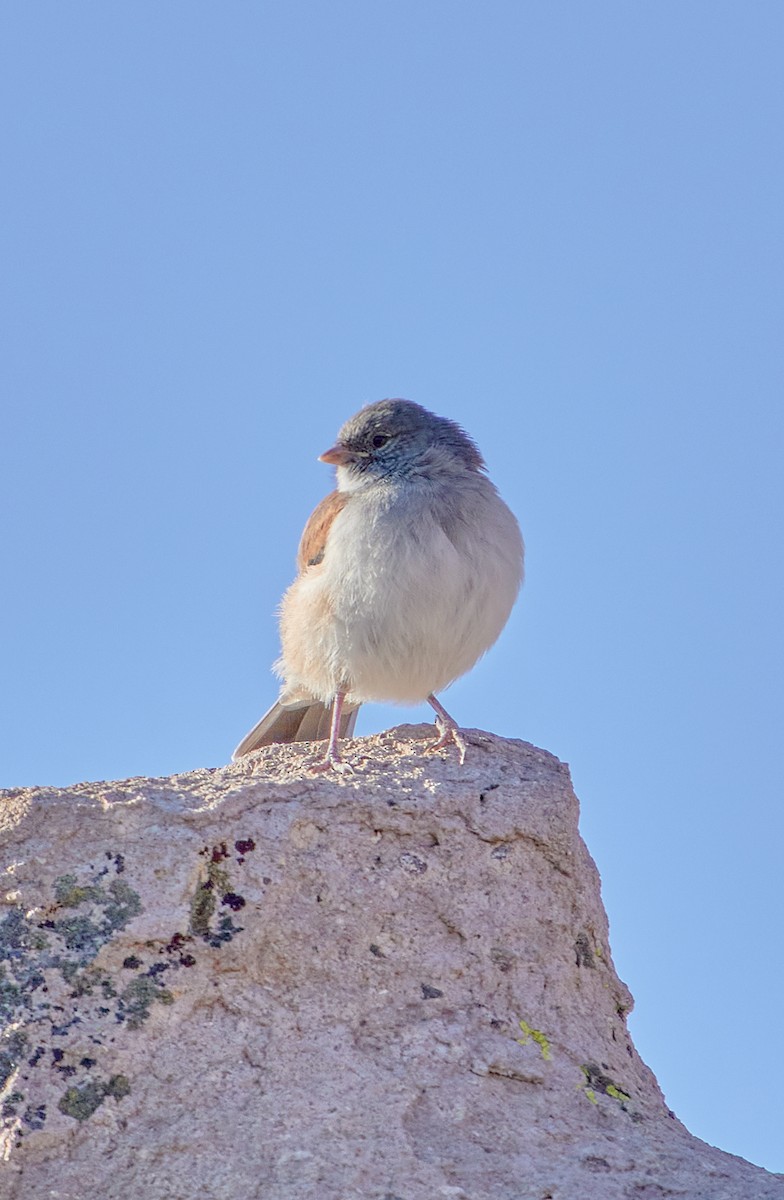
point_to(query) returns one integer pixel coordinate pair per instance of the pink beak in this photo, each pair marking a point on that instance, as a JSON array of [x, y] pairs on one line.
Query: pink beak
[[338, 456]]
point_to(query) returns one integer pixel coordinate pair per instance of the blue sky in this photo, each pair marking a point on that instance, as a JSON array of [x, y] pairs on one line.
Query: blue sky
[[226, 227]]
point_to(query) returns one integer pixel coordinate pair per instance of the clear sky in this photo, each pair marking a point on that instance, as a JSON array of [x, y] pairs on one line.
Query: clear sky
[[227, 226]]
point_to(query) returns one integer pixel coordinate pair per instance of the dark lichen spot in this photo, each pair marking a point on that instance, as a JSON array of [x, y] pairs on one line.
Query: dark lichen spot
[[412, 864], [583, 951], [245, 845], [176, 943], [132, 963], [10, 1105], [61, 1030], [376, 950], [430, 993], [34, 1116], [37, 1056], [501, 958], [234, 902], [595, 1163], [225, 932]]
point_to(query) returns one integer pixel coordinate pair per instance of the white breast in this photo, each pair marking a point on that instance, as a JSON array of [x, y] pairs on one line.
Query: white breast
[[411, 593]]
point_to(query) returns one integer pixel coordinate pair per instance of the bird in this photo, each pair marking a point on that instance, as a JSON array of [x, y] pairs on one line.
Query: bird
[[407, 573]]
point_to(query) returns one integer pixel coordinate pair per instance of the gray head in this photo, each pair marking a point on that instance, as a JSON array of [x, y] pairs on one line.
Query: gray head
[[400, 438]]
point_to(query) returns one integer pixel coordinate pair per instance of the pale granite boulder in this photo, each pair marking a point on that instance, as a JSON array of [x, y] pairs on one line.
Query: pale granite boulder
[[254, 983]]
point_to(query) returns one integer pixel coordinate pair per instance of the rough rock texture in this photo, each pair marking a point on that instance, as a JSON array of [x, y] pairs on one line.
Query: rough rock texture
[[254, 982]]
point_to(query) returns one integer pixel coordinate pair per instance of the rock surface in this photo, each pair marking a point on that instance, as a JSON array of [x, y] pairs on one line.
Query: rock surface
[[254, 983]]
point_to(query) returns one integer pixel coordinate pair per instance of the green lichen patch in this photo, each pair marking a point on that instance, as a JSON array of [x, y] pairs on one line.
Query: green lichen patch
[[120, 905], [597, 1080], [81, 1102], [89, 981], [12, 1050], [534, 1035], [135, 1002], [85, 912], [103, 911], [10, 995], [203, 905], [18, 936], [69, 893], [214, 890], [59, 944]]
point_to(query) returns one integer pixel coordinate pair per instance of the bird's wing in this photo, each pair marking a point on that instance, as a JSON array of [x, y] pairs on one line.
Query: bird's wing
[[315, 534]]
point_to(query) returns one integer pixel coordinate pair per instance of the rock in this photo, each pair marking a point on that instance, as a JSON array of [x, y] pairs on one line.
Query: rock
[[253, 982]]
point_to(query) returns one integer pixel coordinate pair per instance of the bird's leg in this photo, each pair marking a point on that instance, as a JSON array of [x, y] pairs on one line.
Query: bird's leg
[[448, 729], [332, 760]]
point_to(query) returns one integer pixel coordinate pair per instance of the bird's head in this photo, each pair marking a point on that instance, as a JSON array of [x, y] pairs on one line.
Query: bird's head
[[397, 439]]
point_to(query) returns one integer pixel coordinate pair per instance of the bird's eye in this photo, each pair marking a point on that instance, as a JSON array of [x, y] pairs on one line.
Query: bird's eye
[[379, 440]]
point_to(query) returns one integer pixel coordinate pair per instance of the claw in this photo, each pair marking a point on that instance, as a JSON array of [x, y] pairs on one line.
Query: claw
[[448, 729], [450, 733], [332, 762]]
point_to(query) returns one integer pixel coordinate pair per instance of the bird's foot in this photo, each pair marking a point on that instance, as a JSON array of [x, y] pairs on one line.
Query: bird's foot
[[450, 734], [332, 762]]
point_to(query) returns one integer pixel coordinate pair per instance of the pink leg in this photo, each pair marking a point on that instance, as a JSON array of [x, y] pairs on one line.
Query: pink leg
[[332, 760], [448, 729]]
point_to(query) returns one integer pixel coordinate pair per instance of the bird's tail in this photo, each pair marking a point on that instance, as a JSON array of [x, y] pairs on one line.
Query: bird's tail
[[306, 722]]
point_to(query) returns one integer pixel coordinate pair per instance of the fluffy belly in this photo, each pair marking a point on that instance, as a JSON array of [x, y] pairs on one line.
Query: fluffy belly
[[396, 628]]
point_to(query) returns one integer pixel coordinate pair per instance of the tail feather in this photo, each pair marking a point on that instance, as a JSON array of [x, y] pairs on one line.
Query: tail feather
[[307, 722]]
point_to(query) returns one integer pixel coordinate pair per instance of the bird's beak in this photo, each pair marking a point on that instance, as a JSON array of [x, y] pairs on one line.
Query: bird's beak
[[338, 456]]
